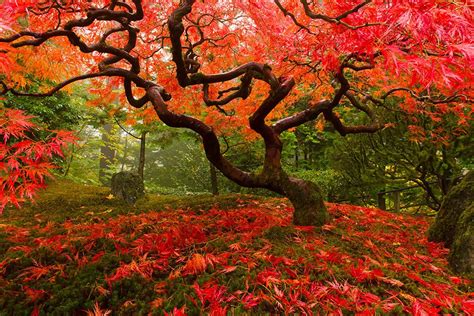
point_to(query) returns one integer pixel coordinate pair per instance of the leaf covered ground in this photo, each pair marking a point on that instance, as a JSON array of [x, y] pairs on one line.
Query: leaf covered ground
[[241, 256]]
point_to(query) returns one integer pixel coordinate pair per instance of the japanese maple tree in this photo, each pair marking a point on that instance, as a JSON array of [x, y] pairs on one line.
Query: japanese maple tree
[[25, 161], [205, 66]]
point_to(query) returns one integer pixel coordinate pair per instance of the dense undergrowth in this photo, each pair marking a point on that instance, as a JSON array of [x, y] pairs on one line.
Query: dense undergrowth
[[79, 250]]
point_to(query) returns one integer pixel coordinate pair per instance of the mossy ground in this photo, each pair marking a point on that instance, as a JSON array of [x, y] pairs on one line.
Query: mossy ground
[[77, 250], [65, 200]]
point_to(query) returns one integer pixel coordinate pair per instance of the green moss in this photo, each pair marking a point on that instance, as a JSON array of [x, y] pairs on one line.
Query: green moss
[[65, 200], [217, 245], [307, 200], [179, 292], [136, 289], [279, 234], [456, 201], [127, 186], [4, 243], [461, 256]]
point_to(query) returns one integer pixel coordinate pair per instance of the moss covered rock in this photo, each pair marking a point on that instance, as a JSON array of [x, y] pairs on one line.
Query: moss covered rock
[[127, 186], [458, 199], [454, 225], [461, 255]]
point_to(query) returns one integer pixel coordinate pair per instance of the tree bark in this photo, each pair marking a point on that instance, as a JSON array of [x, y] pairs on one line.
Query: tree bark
[[307, 200], [461, 254], [69, 162], [141, 161], [296, 157], [125, 153]]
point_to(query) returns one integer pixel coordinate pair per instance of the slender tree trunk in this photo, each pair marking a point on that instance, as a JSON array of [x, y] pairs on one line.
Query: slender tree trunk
[[68, 167], [446, 176], [125, 153], [107, 154], [296, 157], [214, 184], [141, 161]]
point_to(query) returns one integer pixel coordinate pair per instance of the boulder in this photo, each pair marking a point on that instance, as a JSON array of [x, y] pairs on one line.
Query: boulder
[[127, 186], [461, 254], [454, 225], [458, 199]]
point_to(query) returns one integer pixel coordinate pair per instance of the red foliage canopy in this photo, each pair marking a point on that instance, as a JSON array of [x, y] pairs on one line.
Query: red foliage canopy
[[25, 162]]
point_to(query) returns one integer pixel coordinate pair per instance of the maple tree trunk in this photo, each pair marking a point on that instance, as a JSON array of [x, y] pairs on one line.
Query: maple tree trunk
[[307, 200], [305, 196], [458, 199]]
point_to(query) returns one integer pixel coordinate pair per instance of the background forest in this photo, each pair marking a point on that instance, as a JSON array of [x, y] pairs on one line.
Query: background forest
[[349, 169]]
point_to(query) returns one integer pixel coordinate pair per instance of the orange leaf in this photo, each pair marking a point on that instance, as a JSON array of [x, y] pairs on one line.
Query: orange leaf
[[197, 264]]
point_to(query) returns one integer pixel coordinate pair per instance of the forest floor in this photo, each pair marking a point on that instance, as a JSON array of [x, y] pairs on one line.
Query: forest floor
[[78, 250]]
